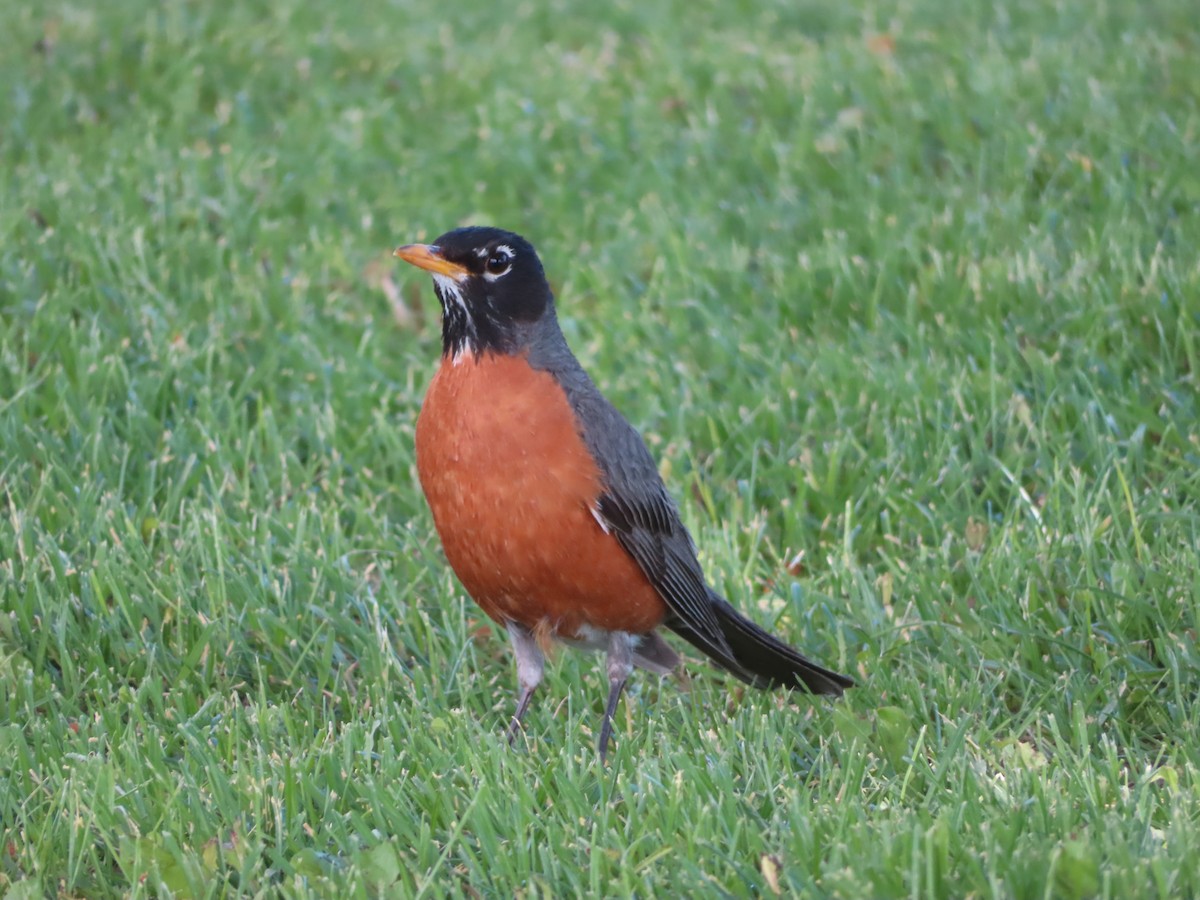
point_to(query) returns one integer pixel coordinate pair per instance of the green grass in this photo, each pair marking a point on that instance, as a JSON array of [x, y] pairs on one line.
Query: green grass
[[910, 288]]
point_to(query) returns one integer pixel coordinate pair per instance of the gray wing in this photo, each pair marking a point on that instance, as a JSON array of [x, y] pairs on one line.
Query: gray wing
[[638, 511], [640, 514]]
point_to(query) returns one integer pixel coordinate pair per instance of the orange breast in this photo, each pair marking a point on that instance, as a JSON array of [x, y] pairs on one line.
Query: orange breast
[[512, 486]]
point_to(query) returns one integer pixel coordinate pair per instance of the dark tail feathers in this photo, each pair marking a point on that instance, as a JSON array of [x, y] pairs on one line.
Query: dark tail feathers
[[759, 658]]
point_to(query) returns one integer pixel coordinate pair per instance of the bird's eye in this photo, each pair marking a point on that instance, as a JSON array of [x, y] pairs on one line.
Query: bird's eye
[[499, 262]]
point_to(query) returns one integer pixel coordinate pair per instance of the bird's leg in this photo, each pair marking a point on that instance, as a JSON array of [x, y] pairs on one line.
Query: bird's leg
[[620, 664], [530, 664]]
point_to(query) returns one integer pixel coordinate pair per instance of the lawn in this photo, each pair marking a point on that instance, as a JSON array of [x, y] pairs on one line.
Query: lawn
[[905, 297]]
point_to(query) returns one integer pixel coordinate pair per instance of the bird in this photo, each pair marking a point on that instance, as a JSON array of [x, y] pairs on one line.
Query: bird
[[550, 508]]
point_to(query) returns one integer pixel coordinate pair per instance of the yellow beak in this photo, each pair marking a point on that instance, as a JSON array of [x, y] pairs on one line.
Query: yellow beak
[[429, 258]]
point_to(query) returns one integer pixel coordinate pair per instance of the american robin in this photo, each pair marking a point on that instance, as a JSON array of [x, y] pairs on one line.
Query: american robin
[[549, 506]]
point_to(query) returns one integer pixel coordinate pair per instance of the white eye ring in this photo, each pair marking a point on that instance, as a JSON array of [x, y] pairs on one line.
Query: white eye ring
[[498, 264]]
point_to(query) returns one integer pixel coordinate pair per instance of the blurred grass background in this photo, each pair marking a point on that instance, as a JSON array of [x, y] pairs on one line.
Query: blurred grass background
[[904, 295]]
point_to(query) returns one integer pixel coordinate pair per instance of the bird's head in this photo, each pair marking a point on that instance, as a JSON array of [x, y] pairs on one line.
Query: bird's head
[[493, 291]]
